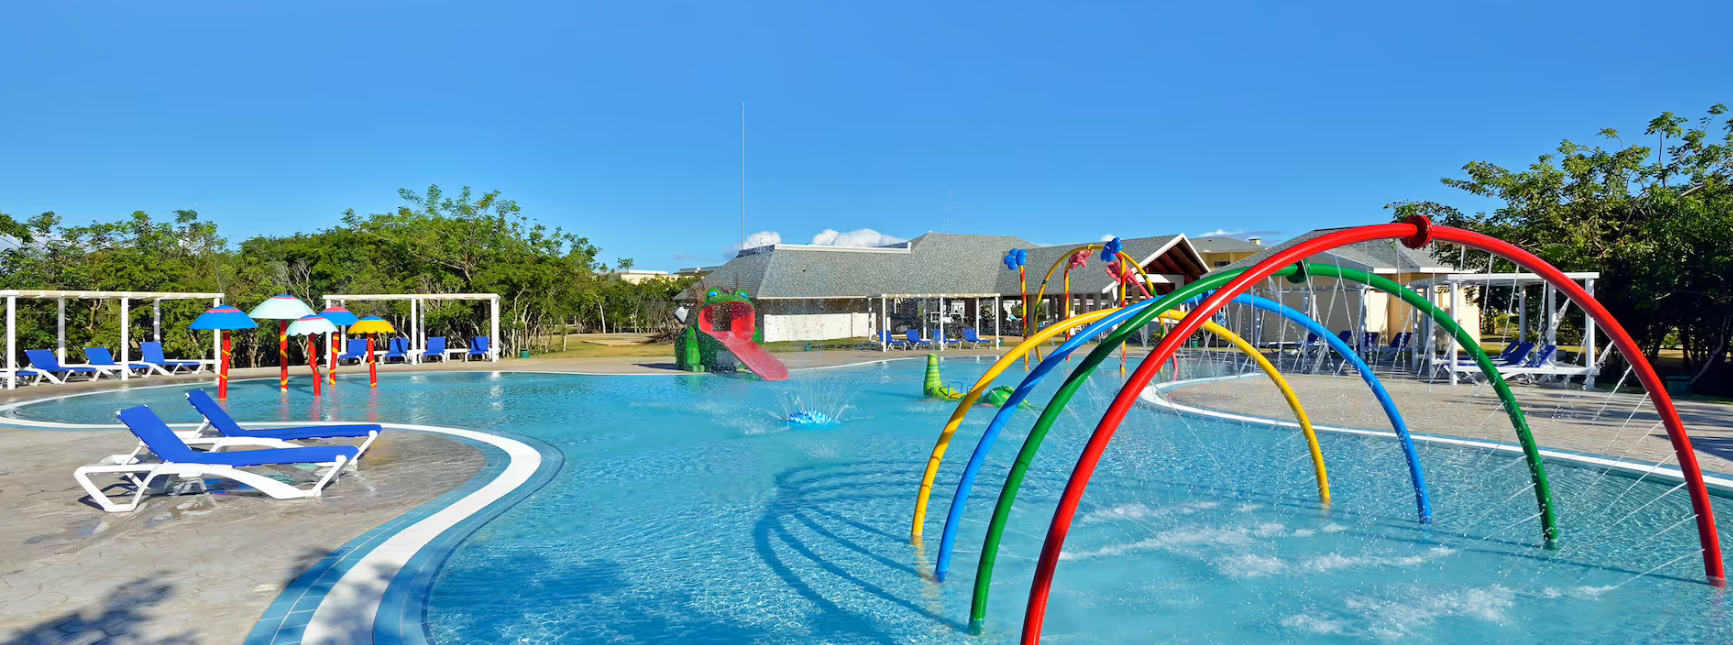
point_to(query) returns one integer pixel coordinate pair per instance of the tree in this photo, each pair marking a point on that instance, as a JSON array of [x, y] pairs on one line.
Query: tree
[[1657, 223]]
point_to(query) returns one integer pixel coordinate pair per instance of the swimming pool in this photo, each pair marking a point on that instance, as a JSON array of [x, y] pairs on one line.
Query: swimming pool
[[686, 511]]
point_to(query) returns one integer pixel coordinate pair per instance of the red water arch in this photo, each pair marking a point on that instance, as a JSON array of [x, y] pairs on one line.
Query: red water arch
[[1414, 232]]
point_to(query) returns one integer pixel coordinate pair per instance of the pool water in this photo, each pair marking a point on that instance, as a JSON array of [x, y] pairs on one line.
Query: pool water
[[689, 511]]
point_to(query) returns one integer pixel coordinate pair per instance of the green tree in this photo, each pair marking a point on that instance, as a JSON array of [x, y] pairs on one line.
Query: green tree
[[1657, 223]]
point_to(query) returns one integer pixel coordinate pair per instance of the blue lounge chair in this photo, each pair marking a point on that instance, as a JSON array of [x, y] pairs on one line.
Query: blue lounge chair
[[1398, 344], [890, 341], [1369, 342], [177, 459], [45, 365], [974, 339], [101, 359], [153, 355], [1511, 359], [219, 420], [357, 351], [435, 348], [915, 340], [950, 342], [478, 347], [397, 348]]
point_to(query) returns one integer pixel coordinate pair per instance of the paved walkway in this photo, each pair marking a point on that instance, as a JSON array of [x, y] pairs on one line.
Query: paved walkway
[[1593, 422], [197, 568]]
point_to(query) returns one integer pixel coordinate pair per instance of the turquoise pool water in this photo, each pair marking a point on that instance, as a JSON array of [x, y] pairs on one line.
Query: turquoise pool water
[[688, 512]]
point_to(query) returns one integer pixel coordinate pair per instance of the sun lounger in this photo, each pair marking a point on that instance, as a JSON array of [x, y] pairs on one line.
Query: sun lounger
[[177, 459], [478, 347], [974, 338], [890, 341], [219, 420], [397, 348], [357, 351], [153, 355], [915, 340], [45, 365], [435, 348], [1516, 360], [101, 359]]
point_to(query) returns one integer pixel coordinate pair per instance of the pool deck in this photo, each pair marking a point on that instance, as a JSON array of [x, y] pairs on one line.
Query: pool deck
[[1602, 423], [70, 573]]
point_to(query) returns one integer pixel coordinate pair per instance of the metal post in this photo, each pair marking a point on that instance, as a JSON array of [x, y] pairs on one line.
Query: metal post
[[217, 345], [1451, 356], [1589, 340], [493, 328], [12, 341], [414, 309], [156, 320], [125, 339], [1522, 313], [884, 324], [999, 314], [60, 329], [942, 316], [1551, 316]]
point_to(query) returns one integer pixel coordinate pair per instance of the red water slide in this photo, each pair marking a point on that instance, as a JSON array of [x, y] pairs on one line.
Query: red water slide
[[738, 338]]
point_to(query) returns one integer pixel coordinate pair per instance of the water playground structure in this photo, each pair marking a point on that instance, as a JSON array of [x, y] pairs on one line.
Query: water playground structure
[[933, 387], [1207, 297], [721, 332]]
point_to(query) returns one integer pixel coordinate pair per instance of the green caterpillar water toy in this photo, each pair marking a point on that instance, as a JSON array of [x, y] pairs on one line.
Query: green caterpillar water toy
[[935, 389]]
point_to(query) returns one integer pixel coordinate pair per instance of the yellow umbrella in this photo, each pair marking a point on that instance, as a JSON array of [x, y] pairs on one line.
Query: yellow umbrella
[[372, 326]]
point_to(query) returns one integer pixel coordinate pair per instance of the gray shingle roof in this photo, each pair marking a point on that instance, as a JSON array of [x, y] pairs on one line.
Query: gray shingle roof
[[1387, 255], [934, 264], [1215, 244]]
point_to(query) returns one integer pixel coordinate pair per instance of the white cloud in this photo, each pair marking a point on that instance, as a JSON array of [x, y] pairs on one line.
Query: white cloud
[[763, 238], [1108, 237], [859, 237], [753, 241], [1222, 232]]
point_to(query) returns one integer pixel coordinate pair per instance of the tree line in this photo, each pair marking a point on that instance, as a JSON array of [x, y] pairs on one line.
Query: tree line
[[1655, 221], [549, 280]]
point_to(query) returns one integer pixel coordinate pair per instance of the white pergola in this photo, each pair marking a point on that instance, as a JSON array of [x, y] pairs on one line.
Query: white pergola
[[12, 297], [418, 322], [1551, 315]]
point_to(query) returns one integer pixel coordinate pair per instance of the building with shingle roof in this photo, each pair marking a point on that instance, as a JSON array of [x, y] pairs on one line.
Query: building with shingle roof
[[807, 292], [1350, 305]]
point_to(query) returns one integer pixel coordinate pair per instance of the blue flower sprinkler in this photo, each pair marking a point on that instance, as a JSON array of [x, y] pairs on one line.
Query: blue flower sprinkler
[[811, 419]]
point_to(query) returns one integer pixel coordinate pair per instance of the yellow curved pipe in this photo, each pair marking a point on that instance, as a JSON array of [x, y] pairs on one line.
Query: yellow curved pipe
[[1010, 358], [974, 395]]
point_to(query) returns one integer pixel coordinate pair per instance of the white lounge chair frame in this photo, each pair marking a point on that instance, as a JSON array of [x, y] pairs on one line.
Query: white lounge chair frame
[[141, 473]]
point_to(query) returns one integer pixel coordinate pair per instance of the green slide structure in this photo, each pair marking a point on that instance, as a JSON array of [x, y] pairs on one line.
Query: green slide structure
[[725, 326]]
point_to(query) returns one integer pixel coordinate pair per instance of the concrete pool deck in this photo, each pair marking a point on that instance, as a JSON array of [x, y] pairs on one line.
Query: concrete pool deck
[[1602, 423], [72, 574]]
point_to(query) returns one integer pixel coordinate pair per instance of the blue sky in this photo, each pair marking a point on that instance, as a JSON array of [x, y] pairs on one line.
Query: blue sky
[[620, 121]]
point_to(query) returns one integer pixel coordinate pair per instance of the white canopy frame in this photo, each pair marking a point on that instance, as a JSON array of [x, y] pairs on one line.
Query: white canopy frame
[[1453, 284], [12, 297], [418, 321]]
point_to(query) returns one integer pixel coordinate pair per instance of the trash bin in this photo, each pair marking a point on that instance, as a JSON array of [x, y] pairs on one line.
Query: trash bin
[[1678, 385], [524, 354]]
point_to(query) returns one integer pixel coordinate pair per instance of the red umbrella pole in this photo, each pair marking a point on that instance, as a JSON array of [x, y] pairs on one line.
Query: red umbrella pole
[[223, 368], [331, 359], [372, 364], [283, 355], [313, 360]]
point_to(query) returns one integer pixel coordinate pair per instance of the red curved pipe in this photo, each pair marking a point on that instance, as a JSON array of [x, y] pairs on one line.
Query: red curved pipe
[[1416, 232]]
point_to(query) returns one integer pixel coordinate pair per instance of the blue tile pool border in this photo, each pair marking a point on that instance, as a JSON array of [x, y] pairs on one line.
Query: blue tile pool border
[[401, 618]]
